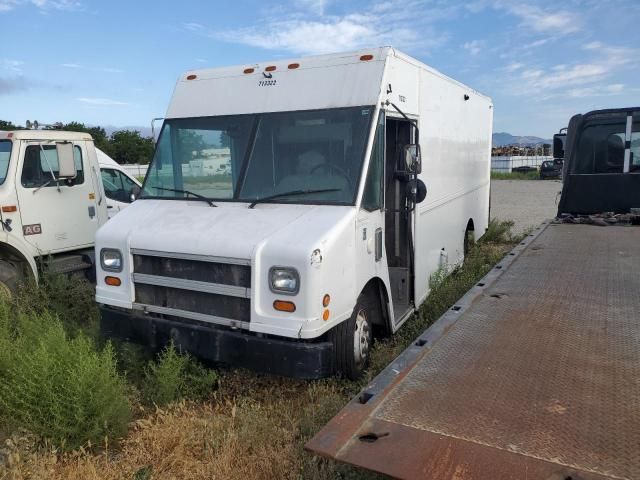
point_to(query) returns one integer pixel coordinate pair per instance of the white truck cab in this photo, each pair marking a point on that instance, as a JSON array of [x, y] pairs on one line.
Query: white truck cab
[[51, 203], [295, 207]]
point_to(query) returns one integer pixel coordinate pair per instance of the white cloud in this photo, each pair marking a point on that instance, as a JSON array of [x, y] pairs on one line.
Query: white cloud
[[194, 27], [512, 67], [473, 47], [95, 69], [315, 36], [109, 70], [597, 91], [540, 20], [107, 102], [305, 27], [314, 6], [42, 5], [576, 80], [14, 66]]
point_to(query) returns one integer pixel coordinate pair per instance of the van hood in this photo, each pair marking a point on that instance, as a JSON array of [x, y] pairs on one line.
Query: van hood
[[230, 230]]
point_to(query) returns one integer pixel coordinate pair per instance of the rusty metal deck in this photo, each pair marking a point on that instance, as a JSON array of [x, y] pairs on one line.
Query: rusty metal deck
[[534, 374]]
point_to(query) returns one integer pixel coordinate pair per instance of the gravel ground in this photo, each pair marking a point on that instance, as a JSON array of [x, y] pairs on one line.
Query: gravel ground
[[526, 202]]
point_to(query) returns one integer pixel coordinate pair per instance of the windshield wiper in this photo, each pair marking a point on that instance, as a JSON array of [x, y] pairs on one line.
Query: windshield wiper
[[290, 194], [197, 196]]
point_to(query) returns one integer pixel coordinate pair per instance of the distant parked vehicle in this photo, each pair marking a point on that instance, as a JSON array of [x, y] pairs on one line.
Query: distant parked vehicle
[[524, 169], [120, 188], [550, 169]]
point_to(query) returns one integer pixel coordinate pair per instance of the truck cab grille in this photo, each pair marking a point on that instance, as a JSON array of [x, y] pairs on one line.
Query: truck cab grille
[[209, 289]]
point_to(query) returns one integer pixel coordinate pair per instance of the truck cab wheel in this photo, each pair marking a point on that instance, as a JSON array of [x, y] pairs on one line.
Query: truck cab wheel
[[9, 280], [352, 339]]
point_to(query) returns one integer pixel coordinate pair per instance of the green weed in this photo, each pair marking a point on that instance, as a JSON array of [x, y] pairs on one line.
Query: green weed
[[60, 388]]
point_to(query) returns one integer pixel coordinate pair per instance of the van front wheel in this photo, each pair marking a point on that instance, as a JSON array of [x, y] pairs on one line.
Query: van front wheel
[[352, 340]]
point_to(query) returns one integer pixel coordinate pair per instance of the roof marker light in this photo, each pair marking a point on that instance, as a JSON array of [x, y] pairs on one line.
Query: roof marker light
[[366, 58], [293, 66], [192, 77], [249, 70], [270, 68]]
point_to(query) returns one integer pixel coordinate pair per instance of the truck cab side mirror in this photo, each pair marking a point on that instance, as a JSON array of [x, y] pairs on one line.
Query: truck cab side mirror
[[66, 162], [412, 158]]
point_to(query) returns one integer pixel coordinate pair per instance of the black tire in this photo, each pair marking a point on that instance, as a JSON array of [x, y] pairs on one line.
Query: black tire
[[9, 279], [349, 360], [469, 241]]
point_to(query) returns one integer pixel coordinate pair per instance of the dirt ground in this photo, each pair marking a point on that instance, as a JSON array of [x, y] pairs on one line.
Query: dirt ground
[[526, 202]]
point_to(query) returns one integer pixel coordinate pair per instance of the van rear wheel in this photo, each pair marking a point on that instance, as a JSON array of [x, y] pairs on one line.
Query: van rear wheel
[[353, 338]]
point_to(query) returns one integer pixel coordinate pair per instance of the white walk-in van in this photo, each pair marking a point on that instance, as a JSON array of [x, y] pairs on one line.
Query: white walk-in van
[[295, 208]]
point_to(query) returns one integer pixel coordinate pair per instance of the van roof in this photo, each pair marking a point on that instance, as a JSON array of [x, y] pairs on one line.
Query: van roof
[[44, 135], [350, 79]]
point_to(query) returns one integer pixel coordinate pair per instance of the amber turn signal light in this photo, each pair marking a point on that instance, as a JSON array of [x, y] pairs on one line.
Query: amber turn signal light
[[113, 281], [325, 315], [9, 209], [284, 306]]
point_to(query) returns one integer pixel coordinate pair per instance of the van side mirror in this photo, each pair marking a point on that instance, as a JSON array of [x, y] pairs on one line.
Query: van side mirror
[[416, 191], [412, 158], [66, 162], [135, 191]]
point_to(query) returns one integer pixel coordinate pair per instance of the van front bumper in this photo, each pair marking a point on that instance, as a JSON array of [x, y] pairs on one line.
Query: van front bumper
[[290, 358]]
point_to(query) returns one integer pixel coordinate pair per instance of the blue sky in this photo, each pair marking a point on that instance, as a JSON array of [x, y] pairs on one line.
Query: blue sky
[[115, 62]]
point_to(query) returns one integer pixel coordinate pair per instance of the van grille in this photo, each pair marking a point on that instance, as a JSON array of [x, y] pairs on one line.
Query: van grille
[[212, 290]]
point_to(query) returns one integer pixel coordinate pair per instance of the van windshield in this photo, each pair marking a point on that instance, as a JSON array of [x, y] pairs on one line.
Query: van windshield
[[286, 157]]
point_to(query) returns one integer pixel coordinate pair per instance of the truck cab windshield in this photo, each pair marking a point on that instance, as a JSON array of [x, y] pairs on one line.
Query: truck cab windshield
[[5, 153], [257, 157]]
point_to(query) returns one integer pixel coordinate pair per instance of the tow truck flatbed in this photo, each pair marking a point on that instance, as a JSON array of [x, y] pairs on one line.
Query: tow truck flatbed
[[534, 373]]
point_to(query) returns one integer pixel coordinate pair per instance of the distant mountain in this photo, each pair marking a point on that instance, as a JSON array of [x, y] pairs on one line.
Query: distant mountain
[[501, 139], [144, 131]]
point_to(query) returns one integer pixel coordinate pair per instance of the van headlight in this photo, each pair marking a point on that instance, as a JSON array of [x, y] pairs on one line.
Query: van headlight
[[284, 280], [111, 260]]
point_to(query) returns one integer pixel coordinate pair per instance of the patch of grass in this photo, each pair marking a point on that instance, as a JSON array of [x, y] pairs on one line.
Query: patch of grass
[[500, 232], [534, 175], [176, 376], [253, 426], [62, 389], [71, 299]]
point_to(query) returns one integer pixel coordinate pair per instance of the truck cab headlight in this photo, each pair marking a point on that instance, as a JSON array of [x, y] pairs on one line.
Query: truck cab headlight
[[111, 260], [285, 280]]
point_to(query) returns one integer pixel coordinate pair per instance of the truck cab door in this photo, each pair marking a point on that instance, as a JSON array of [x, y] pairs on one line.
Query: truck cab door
[[56, 215]]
